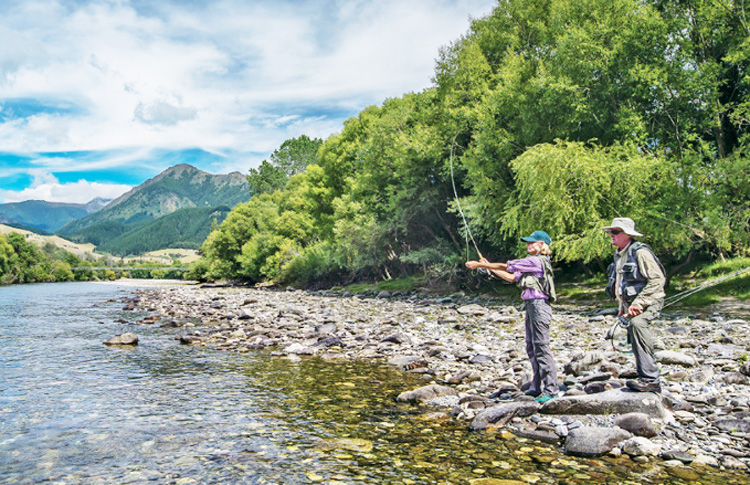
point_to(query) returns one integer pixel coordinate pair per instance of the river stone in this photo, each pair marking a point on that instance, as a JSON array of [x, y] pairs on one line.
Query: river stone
[[707, 460], [616, 401], [732, 462], [404, 362], [396, 338], [123, 339], [348, 444], [724, 350], [680, 456], [733, 425], [585, 361], [500, 318], [299, 349], [734, 378], [637, 423], [190, 339], [544, 436], [687, 474], [481, 359], [745, 369], [330, 342], [501, 414], [426, 393], [473, 309], [675, 358], [603, 376], [326, 328], [640, 446], [495, 481], [701, 376], [593, 441], [458, 377]]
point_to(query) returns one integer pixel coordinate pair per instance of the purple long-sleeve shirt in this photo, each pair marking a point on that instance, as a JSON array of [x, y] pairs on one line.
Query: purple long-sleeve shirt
[[529, 264]]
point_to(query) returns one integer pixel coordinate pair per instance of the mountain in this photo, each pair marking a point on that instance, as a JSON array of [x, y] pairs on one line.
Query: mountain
[[125, 222], [42, 216], [184, 229]]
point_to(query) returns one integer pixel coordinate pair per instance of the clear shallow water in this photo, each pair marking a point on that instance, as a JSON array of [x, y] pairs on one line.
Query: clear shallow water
[[73, 410]]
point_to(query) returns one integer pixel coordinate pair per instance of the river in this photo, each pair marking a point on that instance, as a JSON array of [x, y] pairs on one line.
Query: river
[[73, 410]]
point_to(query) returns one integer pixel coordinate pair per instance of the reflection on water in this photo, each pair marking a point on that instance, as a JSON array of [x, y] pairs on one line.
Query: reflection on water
[[73, 410]]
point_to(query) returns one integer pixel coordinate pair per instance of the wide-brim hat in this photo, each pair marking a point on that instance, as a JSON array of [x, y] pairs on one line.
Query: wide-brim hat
[[625, 224], [538, 236]]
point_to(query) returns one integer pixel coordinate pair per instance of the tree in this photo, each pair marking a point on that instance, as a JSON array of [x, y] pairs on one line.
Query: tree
[[291, 158]]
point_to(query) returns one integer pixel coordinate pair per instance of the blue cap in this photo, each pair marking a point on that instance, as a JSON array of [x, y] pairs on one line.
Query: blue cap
[[538, 236]]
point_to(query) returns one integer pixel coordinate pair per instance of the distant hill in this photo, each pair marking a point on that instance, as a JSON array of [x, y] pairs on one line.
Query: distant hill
[[123, 226], [184, 229], [80, 250], [48, 217]]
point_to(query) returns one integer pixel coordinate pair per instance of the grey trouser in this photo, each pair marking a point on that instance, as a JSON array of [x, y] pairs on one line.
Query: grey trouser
[[538, 317], [643, 343]]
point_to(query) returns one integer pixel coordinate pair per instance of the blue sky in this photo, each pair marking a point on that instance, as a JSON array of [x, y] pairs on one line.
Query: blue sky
[[99, 96]]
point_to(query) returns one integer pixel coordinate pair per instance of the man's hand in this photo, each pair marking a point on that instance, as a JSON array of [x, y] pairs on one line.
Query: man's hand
[[634, 310], [472, 264]]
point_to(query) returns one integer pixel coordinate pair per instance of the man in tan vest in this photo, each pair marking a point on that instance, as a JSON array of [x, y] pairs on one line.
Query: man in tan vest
[[636, 281]]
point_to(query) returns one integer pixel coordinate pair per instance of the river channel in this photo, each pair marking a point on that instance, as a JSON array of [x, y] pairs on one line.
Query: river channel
[[73, 410]]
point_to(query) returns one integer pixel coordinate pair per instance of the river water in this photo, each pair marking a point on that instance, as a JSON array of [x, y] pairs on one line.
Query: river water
[[73, 410]]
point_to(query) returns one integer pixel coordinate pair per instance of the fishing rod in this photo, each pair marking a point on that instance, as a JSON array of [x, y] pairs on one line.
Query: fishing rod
[[467, 233], [625, 322]]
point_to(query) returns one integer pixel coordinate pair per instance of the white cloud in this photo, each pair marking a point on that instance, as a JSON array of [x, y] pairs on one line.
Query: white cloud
[[52, 190], [224, 76]]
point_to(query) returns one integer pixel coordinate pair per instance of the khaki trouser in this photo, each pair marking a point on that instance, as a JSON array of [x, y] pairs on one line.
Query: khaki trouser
[[642, 342], [538, 317]]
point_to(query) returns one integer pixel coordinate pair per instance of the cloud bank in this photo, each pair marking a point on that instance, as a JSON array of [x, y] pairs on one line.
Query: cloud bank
[[230, 78]]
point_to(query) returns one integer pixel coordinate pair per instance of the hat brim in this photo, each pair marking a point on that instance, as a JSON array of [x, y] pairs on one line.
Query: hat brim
[[623, 229], [531, 239]]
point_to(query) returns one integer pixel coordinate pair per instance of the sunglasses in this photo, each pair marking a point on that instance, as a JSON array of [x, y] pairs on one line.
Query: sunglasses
[[615, 232]]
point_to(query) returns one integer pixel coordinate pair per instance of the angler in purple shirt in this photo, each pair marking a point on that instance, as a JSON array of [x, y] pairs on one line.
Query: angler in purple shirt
[[533, 274]]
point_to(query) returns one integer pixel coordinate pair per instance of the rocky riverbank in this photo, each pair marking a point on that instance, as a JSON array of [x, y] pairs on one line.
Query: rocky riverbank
[[470, 349]]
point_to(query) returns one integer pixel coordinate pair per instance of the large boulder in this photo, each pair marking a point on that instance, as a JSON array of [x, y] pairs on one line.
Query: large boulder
[[616, 401], [426, 393], [500, 414], [123, 339], [592, 441]]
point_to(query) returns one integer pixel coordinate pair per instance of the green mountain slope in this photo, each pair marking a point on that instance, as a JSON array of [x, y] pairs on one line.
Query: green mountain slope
[[184, 228], [179, 187], [45, 216]]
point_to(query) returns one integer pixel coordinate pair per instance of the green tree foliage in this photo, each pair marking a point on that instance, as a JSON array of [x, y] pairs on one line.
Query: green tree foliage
[[291, 158], [7, 256], [581, 190], [549, 114]]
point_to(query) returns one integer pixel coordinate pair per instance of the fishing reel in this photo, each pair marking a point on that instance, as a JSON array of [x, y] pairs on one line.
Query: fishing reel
[[620, 344]]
